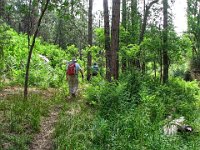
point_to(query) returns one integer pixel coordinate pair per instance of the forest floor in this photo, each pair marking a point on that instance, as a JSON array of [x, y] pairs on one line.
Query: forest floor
[[43, 139], [16, 90]]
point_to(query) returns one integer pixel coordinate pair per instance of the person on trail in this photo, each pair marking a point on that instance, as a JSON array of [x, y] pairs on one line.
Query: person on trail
[[73, 68], [95, 69]]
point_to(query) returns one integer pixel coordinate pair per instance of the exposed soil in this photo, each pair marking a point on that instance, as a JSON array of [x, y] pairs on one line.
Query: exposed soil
[[43, 140], [8, 91]]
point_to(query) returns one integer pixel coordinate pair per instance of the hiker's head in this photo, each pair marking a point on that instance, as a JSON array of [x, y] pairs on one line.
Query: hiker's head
[[95, 63], [74, 60]]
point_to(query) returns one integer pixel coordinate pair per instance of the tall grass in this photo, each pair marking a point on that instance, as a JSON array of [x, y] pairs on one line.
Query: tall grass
[[73, 130], [20, 120], [127, 115], [132, 113]]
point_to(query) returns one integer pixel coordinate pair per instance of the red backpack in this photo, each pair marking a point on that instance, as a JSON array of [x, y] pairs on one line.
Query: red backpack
[[71, 70]]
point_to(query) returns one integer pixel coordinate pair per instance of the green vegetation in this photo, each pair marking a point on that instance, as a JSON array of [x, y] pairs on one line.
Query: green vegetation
[[128, 113], [42, 73], [109, 116], [21, 119], [131, 114]]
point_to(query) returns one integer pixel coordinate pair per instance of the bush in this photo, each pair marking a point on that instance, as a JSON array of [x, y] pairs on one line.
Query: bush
[[132, 112]]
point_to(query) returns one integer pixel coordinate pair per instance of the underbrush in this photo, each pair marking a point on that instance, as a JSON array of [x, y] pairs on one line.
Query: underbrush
[[129, 114], [132, 113], [47, 68], [74, 128], [20, 120]]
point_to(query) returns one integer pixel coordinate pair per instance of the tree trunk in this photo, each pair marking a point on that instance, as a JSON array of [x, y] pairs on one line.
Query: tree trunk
[[135, 25], [193, 18], [124, 13], [72, 7], [124, 24], [134, 20], [144, 23], [143, 29], [31, 49], [165, 42], [2, 9], [154, 68], [89, 56], [29, 20], [107, 40], [115, 38]]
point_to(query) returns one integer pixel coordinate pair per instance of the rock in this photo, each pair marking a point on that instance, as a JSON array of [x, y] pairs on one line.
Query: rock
[[176, 125]]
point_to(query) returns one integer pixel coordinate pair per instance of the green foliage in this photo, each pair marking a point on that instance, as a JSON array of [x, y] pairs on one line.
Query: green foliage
[[125, 37], [4, 40], [42, 73], [72, 51], [193, 24], [151, 47], [97, 55], [132, 113], [100, 38], [129, 52]]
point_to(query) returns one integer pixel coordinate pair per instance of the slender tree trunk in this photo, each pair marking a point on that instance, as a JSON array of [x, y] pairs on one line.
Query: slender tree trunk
[[144, 22], [135, 25], [72, 7], [28, 24], [161, 66], [2, 9], [154, 68], [143, 29], [31, 49], [165, 42], [89, 56], [29, 20], [107, 40], [124, 13], [134, 20], [124, 24], [115, 38]]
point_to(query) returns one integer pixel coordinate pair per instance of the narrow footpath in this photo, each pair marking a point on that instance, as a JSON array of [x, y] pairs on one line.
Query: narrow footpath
[[43, 140]]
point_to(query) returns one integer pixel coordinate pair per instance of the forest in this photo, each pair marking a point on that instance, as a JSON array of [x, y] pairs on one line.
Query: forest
[[146, 93]]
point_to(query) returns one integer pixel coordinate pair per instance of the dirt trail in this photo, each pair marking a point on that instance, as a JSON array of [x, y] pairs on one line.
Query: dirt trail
[[9, 91], [43, 140]]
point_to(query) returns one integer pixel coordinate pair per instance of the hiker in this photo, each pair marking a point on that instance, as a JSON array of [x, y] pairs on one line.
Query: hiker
[[73, 69], [95, 69]]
